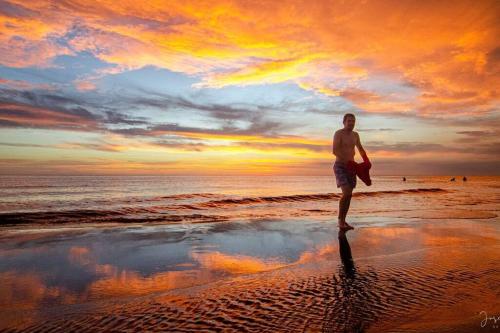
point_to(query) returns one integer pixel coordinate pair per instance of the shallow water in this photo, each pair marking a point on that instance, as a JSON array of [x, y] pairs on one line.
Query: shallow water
[[164, 199]]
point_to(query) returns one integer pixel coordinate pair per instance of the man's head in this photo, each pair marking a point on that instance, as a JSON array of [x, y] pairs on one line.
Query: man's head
[[349, 121]]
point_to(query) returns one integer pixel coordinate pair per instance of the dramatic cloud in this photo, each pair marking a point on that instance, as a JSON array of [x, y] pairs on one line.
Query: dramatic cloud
[[447, 54], [249, 79], [410, 148], [22, 115]]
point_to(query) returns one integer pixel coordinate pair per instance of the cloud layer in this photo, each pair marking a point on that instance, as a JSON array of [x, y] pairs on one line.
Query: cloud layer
[[260, 82]]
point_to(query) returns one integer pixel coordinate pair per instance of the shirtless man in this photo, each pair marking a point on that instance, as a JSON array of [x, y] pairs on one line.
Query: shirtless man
[[344, 141]]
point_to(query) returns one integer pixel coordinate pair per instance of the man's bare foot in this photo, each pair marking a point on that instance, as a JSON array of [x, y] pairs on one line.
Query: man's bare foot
[[344, 226]]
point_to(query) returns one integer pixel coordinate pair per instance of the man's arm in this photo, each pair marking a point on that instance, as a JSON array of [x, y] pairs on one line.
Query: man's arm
[[361, 150], [336, 143]]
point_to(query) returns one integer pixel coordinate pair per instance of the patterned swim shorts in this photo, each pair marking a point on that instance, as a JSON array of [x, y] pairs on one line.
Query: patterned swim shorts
[[342, 176]]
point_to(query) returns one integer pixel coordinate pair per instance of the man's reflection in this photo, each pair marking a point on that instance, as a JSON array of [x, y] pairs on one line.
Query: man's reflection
[[345, 255], [347, 297]]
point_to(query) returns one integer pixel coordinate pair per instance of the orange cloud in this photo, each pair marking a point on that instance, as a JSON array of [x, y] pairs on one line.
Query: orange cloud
[[433, 47], [25, 35], [84, 85]]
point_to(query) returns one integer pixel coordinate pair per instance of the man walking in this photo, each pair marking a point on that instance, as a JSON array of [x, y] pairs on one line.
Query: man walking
[[344, 141]]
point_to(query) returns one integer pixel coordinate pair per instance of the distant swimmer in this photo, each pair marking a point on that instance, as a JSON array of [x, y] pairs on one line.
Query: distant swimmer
[[452, 180], [404, 179], [464, 179], [345, 140]]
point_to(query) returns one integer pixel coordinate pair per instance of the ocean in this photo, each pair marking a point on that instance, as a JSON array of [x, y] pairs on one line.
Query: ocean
[[174, 199]]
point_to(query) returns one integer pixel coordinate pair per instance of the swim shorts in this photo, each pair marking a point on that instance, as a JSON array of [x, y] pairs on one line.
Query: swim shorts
[[343, 176]]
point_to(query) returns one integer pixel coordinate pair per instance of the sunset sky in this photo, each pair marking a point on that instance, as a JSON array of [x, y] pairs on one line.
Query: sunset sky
[[248, 87]]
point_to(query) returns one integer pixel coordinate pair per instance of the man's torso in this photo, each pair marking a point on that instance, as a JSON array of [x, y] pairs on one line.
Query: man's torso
[[347, 144]]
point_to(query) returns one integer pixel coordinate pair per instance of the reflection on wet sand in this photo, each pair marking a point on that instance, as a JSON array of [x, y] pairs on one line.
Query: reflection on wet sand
[[63, 269], [262, 277], [347, 308], [346, 255]]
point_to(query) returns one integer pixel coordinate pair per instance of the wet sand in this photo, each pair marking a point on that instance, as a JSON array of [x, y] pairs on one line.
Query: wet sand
[[294, 275]]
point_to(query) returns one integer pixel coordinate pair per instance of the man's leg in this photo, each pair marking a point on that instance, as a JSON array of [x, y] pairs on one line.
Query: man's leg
[[344, 203]]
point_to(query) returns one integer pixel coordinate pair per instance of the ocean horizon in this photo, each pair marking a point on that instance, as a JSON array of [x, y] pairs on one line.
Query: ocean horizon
[[173, 199]]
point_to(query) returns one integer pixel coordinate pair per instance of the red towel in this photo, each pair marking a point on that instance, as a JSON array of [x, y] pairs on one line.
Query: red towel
[[362, 170]]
